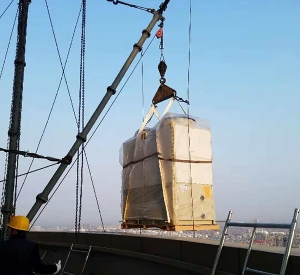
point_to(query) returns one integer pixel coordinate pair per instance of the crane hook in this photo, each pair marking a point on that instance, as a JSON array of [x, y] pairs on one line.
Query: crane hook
[[162, 68]]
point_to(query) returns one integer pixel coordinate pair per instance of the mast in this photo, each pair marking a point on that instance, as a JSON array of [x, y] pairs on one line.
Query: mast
[[15, 116], [111, 90]]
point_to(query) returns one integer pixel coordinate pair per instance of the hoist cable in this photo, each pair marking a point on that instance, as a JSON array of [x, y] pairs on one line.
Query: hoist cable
[[118, 94], [188, 110], [79, 178], [32, 224], [5, 10], [54, 100], [142, 80], [9, 41]]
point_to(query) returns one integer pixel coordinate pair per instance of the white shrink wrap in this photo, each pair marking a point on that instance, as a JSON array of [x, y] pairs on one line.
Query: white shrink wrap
[[167, 174]]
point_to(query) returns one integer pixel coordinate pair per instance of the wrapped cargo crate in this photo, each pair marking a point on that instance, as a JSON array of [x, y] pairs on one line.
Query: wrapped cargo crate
[[167, 176]]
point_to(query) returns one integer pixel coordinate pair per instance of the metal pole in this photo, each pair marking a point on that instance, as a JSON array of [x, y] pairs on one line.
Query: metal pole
[[16, 109], [290, 242], [111, 90], [249, 250], [221, 243]]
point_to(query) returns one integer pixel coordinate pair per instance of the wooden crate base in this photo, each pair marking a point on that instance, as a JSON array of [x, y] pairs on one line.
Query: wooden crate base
[[202, 227]]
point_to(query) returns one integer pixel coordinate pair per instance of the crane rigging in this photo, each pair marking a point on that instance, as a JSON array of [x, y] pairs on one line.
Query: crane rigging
[[14, 133]]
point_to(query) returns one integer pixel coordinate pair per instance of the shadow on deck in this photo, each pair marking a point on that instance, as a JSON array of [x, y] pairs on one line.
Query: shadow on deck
[[138, 254]]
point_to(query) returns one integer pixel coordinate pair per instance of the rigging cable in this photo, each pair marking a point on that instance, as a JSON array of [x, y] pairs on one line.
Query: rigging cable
[[5, 10], [54, 101], [94, 189], [9, 41], [188, 110], [113, 102], [59, 56], [142, 80], [7, 146], [32, 171], [80, 124], [143, 109]]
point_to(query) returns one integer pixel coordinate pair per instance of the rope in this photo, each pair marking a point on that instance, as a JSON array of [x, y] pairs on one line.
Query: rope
[[143, 96], [118, 94], [94, 189], [9, 41], [33, 171], [59, 56], [54, 101], [5, 10], [143, 108], [188, 110]]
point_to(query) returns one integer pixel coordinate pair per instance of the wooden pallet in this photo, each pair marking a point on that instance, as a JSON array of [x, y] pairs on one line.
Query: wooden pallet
[[170, 227]]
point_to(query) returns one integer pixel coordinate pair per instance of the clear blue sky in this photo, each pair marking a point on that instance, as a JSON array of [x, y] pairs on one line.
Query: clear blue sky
[[244, 79]]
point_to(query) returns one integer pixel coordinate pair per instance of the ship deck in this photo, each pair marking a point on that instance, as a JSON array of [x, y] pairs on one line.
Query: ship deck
[[115, 253]]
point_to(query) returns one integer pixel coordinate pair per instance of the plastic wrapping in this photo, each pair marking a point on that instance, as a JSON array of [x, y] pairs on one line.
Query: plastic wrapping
[[167, 172]]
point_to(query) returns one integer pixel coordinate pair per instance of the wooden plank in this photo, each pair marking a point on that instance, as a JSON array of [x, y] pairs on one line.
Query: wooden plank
[[169, 227]]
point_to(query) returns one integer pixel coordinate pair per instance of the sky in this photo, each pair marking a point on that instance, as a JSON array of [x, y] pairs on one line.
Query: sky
[[244, 79]]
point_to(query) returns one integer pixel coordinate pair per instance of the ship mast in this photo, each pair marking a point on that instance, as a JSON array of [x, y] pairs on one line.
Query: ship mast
[[14, 130]]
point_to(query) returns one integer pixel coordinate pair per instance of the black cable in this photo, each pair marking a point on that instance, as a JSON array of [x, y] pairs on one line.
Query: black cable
[[188, 112], [9, 41], [80, 125], [36, 170], [32, 224], [119, 92], [143, 96], [59, 56], [5, 10], [94, 189], [55, 97]]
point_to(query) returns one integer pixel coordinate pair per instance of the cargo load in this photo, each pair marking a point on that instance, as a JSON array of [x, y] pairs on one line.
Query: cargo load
[[167, 177]]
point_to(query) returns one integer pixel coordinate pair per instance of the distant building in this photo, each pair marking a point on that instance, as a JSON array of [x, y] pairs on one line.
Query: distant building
[[37, 228]]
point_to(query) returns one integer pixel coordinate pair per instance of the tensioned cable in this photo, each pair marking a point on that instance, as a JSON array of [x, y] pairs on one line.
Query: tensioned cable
[[35, 170], [5, 10], [59, 56], [94, 189], [9, 41], [142, 80], [188, 112], [118, 94], [80, 125]]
